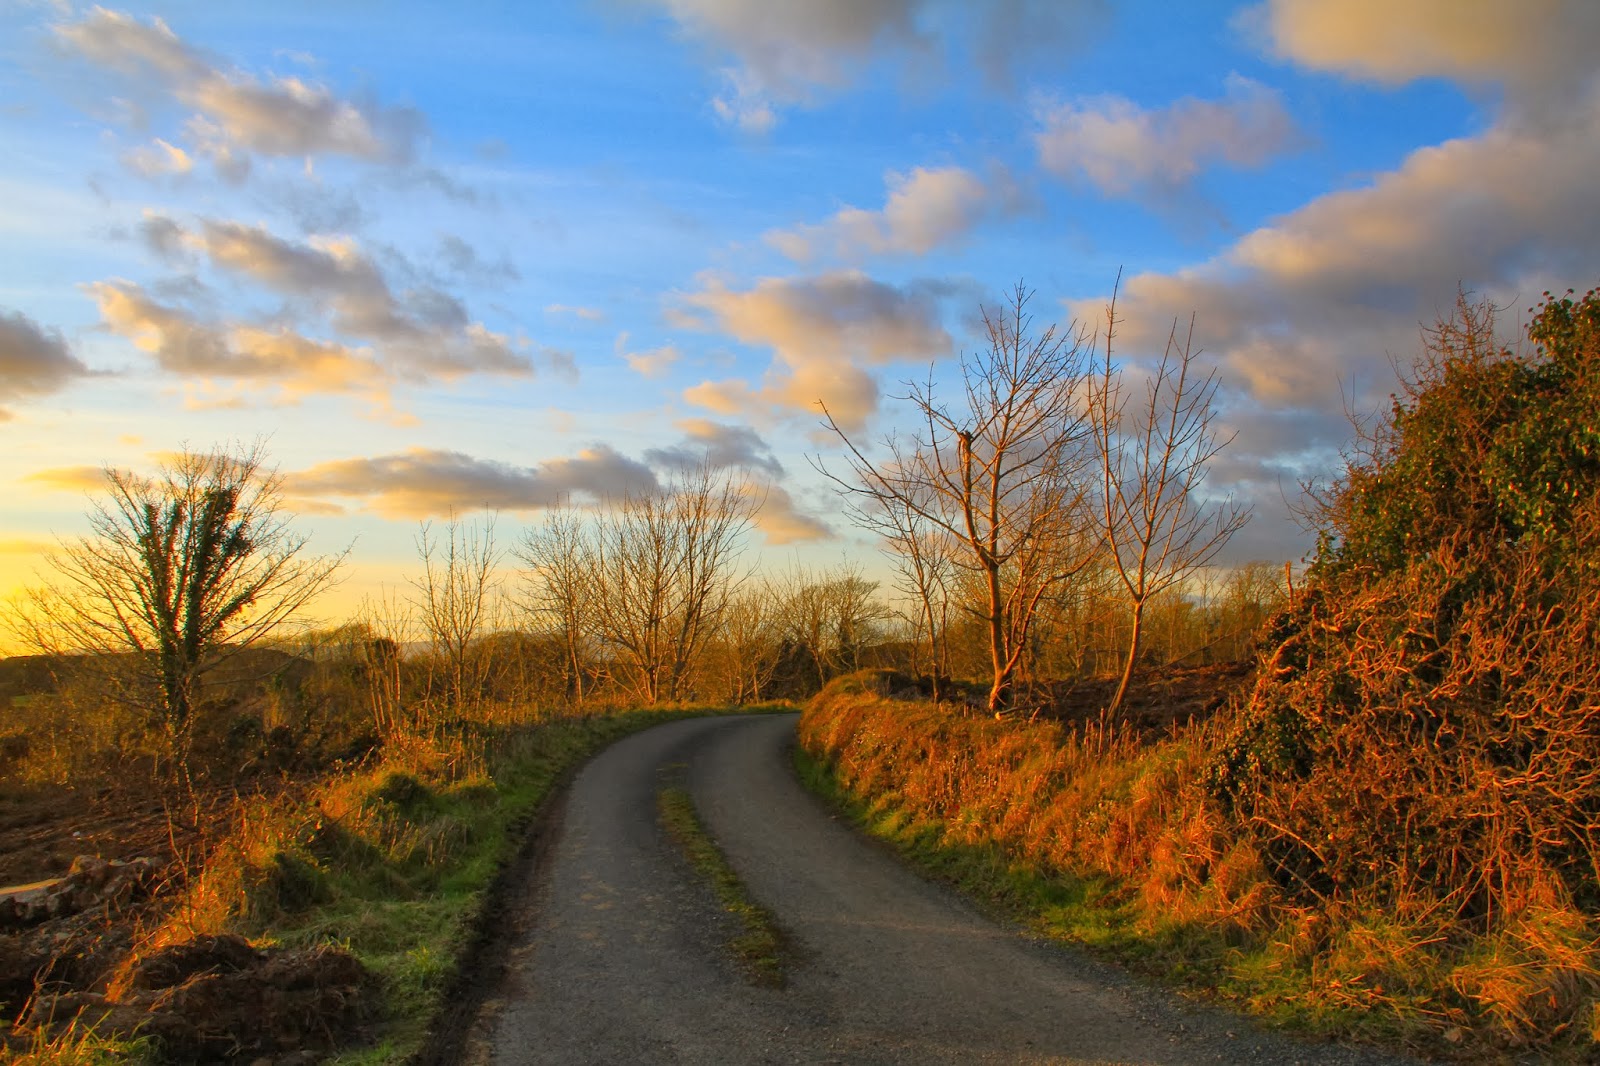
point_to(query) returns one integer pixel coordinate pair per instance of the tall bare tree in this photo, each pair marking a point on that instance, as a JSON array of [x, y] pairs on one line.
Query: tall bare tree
[[1003, 474], [749, 642], [457, 600], [180, 572], [665, 566], [923, 556], [1158, 527], [560, 558]]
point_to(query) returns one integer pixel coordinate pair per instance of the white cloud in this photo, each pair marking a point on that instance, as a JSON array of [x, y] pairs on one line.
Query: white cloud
[[1541, 51], [1311, 311], [588, 314], [70, 478], [423, 331], [158, 158], [819, 328], [719, 446], [653, 362], [1125, 150], [792, 53], [925, 209], [423, 482], [34, 360], [431, 483], [781, 521], [238, 355], [236, 113]]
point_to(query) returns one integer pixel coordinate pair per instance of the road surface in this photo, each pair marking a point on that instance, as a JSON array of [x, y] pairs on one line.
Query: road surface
[[620, 948]]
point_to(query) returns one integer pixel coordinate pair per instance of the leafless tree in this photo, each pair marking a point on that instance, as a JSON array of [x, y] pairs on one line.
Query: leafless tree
[[1158, 527], [180, 572], [750, 639], [664, 570], [560, 558], [386, 624], [457, 600], [923, 556], [1003, 475], [831, 615]]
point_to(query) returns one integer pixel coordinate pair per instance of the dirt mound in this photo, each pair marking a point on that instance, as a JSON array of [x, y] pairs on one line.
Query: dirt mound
[[71, 932], [201, 956], [218, 997]]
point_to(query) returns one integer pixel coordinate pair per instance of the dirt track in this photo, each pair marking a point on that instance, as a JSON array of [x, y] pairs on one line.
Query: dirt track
[[620, 951]]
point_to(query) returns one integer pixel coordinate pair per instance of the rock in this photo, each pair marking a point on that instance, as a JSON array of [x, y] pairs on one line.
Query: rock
[[90, 882]]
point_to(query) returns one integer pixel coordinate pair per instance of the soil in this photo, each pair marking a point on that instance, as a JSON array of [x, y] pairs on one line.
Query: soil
[[68, 946], [1157, 700]]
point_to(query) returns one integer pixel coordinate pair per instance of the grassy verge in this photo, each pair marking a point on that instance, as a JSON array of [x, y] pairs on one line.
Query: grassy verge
[[759, 948], [1112, 843], [397, 863]]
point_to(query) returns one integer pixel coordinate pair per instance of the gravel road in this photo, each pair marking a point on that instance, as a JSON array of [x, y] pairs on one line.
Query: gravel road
[[620, 950]]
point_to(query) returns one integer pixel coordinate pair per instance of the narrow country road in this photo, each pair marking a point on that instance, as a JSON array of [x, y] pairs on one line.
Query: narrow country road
[[621, 956]]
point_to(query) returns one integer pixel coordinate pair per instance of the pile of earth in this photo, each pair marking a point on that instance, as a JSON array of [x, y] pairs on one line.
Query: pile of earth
[[1158, 698], [67, 955], [216, 998]]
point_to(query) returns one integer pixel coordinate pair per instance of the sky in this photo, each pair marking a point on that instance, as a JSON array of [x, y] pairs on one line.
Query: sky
[[484, 258]]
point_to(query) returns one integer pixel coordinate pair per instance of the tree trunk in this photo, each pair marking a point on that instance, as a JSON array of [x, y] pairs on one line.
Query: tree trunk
[[1133, 658], [999, 652]]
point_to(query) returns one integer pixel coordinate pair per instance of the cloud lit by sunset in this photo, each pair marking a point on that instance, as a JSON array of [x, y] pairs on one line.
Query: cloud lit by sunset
[[446, 261]]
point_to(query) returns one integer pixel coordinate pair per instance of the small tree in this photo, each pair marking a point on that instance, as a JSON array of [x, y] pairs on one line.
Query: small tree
[[557, 591], [385, 625], [1003, 475], [663, 569], [1158, 529], [179, 572], [831, 615], [457, 601]]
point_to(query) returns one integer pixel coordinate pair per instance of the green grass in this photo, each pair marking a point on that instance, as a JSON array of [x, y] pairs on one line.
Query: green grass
[[760, 947]]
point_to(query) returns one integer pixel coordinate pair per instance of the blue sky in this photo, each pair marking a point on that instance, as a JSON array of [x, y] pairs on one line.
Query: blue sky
[[444, 257]]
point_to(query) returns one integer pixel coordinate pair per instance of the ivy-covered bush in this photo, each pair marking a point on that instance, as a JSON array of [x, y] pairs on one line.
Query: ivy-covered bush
[[1424, 734]]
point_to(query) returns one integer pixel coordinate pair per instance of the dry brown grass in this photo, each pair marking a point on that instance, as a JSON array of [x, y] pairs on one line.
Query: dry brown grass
[[1196, 880]]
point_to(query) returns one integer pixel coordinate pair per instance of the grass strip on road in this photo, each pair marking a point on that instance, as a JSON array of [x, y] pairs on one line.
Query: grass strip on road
[[760, 947]]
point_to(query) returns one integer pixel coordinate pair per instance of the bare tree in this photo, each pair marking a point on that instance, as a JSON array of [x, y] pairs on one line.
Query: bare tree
[[750, 639], [663, 574], [386, 624], [923, 555], [457, 600], [1004, 476], [179, 573], [1158, 528], [831, 615], [560, 559]]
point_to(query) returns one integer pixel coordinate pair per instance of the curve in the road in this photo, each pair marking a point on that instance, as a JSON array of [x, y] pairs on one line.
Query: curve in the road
[[621, 955]]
